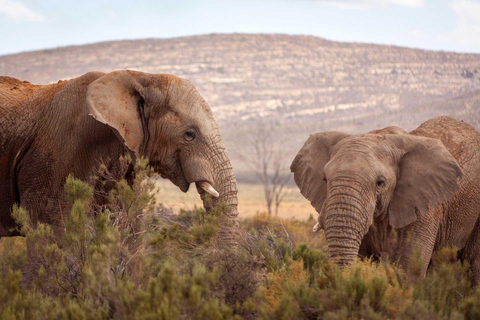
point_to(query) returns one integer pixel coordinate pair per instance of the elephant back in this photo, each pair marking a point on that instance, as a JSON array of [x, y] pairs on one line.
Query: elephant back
[[14, 92], [460, 138]]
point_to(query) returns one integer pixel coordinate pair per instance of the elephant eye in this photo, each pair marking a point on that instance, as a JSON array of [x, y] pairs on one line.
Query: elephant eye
[[189, 135], [380, 182]]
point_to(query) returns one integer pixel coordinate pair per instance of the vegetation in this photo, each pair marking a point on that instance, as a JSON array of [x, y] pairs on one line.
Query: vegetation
[[251, 200], [265, 155], [132, 259]]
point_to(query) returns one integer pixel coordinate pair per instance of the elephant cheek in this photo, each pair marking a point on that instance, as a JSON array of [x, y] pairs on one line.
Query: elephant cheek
[[172, 170]]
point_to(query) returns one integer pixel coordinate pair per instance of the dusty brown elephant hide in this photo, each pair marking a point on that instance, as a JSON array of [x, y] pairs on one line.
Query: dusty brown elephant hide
[[49, 131], [424, 185]]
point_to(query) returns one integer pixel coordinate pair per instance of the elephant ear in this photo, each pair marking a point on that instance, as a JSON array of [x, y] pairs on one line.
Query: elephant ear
[[428, 176], [307, 167], [116, 100]]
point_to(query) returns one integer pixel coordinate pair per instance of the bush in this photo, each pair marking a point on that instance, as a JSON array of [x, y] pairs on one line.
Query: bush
[[129, 258], [126, 258]]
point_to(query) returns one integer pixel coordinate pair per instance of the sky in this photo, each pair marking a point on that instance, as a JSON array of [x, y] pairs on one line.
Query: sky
[[448, 25]]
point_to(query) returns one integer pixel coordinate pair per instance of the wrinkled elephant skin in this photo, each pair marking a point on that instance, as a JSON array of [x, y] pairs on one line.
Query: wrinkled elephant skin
[[50, 131], [391, 193]]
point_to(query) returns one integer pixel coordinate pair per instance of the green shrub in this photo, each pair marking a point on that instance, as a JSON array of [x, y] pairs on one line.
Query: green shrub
[[445, 287], [92, 272], [129, 258], [312, 287]]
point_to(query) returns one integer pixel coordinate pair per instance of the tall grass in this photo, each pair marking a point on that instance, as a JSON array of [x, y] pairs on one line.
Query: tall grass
[[132, 259]]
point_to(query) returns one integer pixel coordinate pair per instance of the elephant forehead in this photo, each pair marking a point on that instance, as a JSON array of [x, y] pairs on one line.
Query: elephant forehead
[[195, 112], [186, 99], [191, 117], [359, 158], [186, 106], [347, 168], [179, 88], [344, 161], [172, 118], [369, 146]]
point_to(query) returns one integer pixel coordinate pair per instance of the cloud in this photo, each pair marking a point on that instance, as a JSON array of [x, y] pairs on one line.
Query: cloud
[[366, 4], [17, 11], [467, 25]]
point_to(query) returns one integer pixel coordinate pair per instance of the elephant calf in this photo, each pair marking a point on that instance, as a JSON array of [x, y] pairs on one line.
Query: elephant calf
[[424, 185], [47, 132]]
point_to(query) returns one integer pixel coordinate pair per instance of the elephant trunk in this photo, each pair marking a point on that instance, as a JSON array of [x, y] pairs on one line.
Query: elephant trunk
[[343, 242], [225, 184], [346, 222], [224, 181]]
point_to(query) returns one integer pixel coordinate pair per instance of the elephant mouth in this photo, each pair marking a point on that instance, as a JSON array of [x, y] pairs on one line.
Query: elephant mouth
[[183, 184], [205, 187], [178, 179]]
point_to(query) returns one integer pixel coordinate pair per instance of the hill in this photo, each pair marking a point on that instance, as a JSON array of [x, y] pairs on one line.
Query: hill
[[306, 84]]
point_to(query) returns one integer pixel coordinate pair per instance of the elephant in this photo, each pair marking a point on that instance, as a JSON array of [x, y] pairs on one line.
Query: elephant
[[71, 127], [396, 194]]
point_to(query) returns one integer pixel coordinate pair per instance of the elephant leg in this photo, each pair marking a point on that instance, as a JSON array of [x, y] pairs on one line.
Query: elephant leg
[[48, 211], [36, 252], [417, 244], [33, 261], [471, 253]]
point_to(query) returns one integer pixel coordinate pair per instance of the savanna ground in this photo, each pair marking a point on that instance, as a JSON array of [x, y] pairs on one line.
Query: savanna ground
[[251, 200], [134, 259]]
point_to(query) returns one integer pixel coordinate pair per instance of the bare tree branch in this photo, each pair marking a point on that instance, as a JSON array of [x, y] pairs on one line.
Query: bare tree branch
[[266, 159]]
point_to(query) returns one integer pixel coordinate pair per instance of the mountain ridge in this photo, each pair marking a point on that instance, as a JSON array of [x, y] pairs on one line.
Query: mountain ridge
[[305, 84]]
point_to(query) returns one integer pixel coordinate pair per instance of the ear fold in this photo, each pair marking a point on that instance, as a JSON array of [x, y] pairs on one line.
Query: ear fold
[[307, 167], [115, 99], [428, 176]]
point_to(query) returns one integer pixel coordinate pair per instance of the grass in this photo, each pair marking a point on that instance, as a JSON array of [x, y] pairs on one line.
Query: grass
[[133, 259], [250, 200]]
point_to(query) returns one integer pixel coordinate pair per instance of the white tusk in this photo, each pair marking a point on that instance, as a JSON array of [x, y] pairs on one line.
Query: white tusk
[[207, 187], [316, 227]]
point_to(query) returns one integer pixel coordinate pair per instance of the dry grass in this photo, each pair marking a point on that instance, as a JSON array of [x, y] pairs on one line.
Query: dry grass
[[278, 269], [250, 198]]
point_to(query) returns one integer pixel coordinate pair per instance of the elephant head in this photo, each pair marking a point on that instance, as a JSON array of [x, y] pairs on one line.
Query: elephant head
[[355, 180], [164, 118]]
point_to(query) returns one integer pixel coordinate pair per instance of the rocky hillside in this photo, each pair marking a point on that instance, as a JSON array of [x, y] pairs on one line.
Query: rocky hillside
[[306, 84]]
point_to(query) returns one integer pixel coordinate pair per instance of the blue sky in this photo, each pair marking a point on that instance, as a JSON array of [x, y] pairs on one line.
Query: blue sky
[[450, 25]]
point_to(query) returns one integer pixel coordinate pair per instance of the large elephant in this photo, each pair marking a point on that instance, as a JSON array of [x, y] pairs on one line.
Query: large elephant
[[50, 131], [423, 186]]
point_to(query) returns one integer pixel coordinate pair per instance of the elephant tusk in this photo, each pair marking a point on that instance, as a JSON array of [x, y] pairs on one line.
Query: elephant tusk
[[316, 227], [207, 187]]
